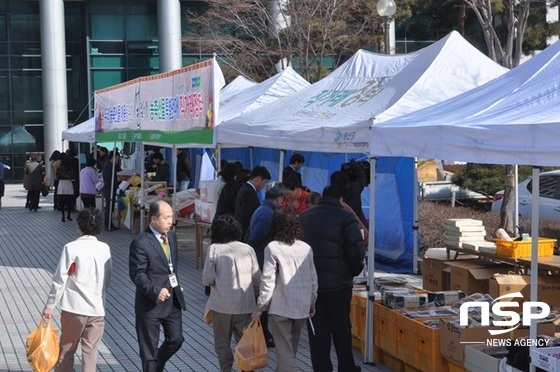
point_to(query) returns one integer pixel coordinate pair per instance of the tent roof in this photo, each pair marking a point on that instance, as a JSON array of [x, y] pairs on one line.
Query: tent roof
[[84, 132], [514, 119], [280, 85], [334, 114], [237, 85]]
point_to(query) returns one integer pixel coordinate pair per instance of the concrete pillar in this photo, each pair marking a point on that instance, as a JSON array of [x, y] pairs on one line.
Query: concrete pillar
[[169, 35], [53, 63]]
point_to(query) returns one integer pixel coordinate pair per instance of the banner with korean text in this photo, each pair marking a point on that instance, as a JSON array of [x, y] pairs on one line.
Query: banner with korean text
[[176, 107]]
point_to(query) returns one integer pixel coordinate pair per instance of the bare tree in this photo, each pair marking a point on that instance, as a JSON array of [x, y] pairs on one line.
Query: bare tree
[[258, 37], [503, 26]]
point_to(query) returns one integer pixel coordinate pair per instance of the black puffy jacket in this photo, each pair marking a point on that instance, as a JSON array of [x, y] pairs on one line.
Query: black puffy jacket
[[338, 248]]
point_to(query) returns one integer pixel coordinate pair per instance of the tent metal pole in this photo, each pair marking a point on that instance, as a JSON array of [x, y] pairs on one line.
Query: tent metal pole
[[281, 164], [415, 218], [534, 253], [369, 342], [174, 198], [112, 196], [516, 202], [141, 196]]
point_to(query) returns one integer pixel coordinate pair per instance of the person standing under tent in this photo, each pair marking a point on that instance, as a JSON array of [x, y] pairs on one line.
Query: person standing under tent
[[338, 253], [247, 200], [288, 287], [162, 168], [110, 185], [88, 182], [232, 271], [184, 171], [258, 235], [291, 172]]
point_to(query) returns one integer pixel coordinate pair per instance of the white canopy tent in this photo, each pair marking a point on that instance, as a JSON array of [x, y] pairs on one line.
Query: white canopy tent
[[236, 86], [334, 114], [283, 84], [83, 132], [514, 119]]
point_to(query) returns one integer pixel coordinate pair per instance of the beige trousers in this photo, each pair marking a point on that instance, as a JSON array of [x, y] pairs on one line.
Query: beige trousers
[[79, 328]]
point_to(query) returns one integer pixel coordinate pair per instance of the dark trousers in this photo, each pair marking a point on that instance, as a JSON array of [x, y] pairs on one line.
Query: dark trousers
[[34, 196], [108, 210], [147, 330], [332, 319], [88, 202]]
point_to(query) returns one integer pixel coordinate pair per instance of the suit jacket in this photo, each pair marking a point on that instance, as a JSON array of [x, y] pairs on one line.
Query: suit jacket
[[246, 202], [149, 271], [290, 174]]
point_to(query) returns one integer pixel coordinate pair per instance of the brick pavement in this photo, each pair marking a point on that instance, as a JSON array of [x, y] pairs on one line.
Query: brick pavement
[[30, 245]]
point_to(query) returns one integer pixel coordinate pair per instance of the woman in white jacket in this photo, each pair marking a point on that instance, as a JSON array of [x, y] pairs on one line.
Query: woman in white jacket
[[288, 286], [79, 283]]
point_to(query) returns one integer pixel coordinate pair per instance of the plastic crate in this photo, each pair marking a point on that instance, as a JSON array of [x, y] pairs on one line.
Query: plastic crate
[[403, 333], [384, 328], [518, 249], [427, 353]]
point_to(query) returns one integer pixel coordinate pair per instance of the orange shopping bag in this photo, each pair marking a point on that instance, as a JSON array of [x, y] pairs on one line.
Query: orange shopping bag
[[251, 352], [42, 347]]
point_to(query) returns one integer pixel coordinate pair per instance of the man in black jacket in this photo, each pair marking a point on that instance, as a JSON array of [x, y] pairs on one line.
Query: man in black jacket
[[247, 199], [338, 252], [353, 180], [291, 172]]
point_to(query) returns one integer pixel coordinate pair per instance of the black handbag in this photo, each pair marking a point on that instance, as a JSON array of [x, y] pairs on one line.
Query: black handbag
[[44, 190]]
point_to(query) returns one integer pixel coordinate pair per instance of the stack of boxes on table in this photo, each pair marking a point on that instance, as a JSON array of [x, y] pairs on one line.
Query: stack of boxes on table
[[468, 234], [420, 329], [198, 204]]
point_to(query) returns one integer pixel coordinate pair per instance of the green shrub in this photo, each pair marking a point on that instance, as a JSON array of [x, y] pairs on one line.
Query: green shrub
[[431, 216]]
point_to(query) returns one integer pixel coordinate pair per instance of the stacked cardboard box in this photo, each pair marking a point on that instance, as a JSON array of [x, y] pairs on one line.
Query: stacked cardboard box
[[205, 206], [463, 230]]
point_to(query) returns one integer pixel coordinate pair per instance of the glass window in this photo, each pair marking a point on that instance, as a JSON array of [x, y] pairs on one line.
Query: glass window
[[3, 27], [25, 22], [107, 26], [26, 62], [73, 22], [106, 47], [27, 90], [141, 27], [4, 91], [27, 47], [104, 79], [28, 117], [106, 61], [143, 62]]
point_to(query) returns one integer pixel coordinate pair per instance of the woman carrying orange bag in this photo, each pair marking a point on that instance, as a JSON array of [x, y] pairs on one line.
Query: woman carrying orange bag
[[288, 287], [79, 283]]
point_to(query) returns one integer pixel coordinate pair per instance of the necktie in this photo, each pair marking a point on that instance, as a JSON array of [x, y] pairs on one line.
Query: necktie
[[165, 245]]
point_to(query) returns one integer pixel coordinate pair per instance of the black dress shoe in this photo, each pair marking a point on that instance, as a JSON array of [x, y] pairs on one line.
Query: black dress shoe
[[113, 227], [270, 342]]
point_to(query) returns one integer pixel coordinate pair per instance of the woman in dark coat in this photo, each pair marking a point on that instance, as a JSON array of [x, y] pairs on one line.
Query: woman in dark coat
[[34, 174]]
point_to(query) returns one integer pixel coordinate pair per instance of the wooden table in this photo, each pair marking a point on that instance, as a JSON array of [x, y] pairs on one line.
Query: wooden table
[[202, 231], [549, 263], [515, 262]]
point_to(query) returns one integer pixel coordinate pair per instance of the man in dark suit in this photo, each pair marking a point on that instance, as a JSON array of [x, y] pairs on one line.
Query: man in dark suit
[[159, 298], [291, 172], [247, 200]]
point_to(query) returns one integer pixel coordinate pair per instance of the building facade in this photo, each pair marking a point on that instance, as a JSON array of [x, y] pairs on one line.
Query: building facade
[[106, 43]]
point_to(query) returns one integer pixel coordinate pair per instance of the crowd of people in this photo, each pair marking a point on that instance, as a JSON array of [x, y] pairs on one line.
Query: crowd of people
[[291, 258], [286, 261]]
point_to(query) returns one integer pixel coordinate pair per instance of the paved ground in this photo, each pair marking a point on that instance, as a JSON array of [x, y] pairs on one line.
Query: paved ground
[[30, 245]]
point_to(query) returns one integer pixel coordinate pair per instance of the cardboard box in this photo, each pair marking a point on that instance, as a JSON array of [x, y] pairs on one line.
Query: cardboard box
[[207, 191], [434, 278], [186, 208], [204, 211], [547, 358], [547, 290], [473, 276], [482, 358], [454, 339]]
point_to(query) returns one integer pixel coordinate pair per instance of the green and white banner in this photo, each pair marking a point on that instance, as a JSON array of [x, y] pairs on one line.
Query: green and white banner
[[178, 107]]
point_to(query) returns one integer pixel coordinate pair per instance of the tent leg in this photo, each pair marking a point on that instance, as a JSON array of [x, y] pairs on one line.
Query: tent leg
[[370, 340]]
